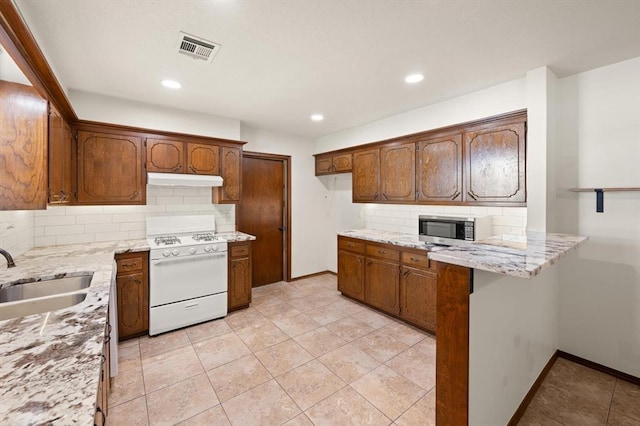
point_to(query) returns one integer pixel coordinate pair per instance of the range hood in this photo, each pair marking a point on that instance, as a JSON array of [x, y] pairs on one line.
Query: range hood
[[178, 179]]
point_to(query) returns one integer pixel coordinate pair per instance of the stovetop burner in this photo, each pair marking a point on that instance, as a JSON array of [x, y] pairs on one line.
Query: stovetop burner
[[167, 241], [204, 236]]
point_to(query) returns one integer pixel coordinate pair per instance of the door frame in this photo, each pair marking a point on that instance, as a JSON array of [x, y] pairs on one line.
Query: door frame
[[286, 211]]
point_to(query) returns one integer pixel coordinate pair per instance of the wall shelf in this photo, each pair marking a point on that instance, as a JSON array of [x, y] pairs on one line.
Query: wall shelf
[[600, 194]]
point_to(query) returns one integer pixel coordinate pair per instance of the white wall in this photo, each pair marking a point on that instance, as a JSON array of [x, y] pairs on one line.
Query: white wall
[[599, 292], [309, 215], [9, 71], [106, 109], [16, 232]]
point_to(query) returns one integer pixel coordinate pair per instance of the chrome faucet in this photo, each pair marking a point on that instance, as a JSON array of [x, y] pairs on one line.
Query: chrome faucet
[[10, 262]]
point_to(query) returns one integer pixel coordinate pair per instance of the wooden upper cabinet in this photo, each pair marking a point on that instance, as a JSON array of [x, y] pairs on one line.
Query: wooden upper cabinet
[[231, 172], [203, 159], [165, 156], [110, 169], [366, 175], [23, 148], [327, 165], [60, 158], [495, 164], [439, 174], [398, 172]]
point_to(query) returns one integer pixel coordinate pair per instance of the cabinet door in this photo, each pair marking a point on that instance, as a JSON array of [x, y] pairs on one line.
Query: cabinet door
[[324, 165], [203, 159], [381, 285], [23, 148], [495, 164], [133, 305], [351, 274], [110, 169], [239, 283], [418, 298], [342, 163], [366, 175], [59, 158], [165, 156], [398, 172], [231, 172], [439, 176]]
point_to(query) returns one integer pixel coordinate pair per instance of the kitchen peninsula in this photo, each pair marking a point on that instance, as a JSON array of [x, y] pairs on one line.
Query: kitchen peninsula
[[496, 318]]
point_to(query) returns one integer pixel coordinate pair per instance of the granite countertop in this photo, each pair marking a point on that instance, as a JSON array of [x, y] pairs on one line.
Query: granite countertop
[[50, 363], [522, 256], [236, 236]]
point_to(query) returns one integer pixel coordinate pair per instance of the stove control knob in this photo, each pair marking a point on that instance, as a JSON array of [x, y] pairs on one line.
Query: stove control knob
[[175, 252], [207, 249], [192, 250], [166, 253]]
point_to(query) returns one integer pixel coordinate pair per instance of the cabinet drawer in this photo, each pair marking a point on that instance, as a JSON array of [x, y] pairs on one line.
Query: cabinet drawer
[[383, 252], [129, 264], [417, 260], [240, 251], [350, 245]]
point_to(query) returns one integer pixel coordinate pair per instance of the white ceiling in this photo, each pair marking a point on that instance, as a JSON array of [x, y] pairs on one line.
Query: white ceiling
[[282, 60]]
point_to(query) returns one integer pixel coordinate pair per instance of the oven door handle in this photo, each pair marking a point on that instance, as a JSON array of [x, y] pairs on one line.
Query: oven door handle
[[185, 258]]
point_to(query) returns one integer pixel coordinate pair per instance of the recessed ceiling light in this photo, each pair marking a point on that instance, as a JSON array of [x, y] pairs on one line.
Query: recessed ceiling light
[[317, 117], [171, 84], [414, 78]]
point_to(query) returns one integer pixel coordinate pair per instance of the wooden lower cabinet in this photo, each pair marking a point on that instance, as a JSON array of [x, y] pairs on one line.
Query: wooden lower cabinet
[[418, 297], [351, 274], [132, 281], [104, 384], [239, 294], [381, 285]]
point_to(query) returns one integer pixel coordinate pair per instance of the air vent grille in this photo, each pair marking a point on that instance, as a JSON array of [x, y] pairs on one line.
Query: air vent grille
[[197, 48]]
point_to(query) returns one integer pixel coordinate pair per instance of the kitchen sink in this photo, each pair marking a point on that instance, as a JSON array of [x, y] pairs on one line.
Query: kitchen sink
[[35, 289], [36, 297]]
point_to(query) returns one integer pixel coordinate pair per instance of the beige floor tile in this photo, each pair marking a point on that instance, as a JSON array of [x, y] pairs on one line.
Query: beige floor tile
[[283, 357], [427, 346], [151, 346], [129, 342], [264, 335], [265, 300], [310, 383], [617, 419], [626, 399], [126, 386], [262, 290], [532, 417], [380, 346], [181, 401], [168, 368], [388, 391], [406, 334], [208, 329], [212, 417], [267, 404], [295, 325], [373, 318], [277, 311], [243, 318], [566, 408], [422, 413], [415, 366], [299, 420], [582, 382], [326, 315], [346, 407], [350, 328], [347, 306], [128, 357], [238, 376], [132, 413], [320, 341], [220, 350], [349, 363]]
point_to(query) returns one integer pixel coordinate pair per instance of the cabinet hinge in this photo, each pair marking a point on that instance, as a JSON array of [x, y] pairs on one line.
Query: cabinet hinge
[[75, 136]]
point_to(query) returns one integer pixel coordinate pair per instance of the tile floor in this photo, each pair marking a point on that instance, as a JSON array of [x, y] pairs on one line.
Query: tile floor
[[303, 354]]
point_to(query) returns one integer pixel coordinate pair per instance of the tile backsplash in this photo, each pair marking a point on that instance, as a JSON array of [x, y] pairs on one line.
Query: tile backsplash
[[83, 224], [404, 218], [16, 232]]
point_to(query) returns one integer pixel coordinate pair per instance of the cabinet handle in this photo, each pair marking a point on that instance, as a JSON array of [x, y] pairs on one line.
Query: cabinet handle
[[63, 195], [178, 167], [382, 252], [385, 196], [413, 259], [128, 265], [135, 280], [370, 262], [350, 245], [456, 195], [377, 194], [134, 196], [360, 260], [471, 195], [405, 273]]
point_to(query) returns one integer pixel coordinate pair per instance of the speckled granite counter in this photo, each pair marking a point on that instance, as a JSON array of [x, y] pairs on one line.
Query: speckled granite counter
[[236, 236], [519, 256], [50, 363]]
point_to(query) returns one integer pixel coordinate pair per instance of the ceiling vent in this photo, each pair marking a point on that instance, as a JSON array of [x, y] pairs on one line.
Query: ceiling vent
[[197, 48]]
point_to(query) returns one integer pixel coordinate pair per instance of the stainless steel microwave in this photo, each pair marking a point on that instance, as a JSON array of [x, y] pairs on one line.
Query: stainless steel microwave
[[451, 230]]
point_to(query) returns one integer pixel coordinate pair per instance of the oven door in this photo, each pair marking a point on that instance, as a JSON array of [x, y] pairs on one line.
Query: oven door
[[175, 279]]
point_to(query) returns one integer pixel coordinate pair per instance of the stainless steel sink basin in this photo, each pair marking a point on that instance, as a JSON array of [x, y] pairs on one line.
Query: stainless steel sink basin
[[36, 297], [39, 305], [31, 290]]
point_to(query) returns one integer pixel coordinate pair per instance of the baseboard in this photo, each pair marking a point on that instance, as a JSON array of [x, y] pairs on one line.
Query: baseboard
[[534, 388], [313, 275], [599, 367]]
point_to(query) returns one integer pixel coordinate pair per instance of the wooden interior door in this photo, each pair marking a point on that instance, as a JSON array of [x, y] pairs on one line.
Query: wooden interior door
[[262, 213]]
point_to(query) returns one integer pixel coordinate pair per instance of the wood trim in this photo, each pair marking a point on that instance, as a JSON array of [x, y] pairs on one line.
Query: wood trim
[[287, 164], [316, 274], [532, 392], [516, 116], [599, 367], [452, 353], [17, 40]]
